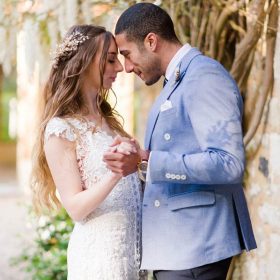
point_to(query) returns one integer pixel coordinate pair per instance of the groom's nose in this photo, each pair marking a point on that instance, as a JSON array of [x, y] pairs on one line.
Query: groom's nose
[[128, 66]]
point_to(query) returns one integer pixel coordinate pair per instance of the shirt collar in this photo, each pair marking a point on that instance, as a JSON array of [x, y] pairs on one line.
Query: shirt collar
[[176, 59]]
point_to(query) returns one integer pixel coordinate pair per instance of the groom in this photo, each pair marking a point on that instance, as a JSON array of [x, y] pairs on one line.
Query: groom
[[195, 216]]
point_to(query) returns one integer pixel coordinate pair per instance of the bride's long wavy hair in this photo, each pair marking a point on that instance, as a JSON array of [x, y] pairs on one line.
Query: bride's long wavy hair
[[62, 98]]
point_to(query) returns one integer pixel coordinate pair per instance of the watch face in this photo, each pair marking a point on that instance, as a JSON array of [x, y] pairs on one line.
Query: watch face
[[143, 165], [142, 170]]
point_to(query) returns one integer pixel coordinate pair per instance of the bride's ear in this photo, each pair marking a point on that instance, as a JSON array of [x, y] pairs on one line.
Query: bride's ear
[[151, 42]]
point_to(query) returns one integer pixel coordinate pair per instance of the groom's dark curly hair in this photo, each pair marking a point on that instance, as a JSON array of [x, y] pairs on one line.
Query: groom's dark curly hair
[[141, 19]]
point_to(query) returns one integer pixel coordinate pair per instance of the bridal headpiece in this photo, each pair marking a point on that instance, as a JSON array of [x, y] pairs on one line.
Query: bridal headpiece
[[68, 46]]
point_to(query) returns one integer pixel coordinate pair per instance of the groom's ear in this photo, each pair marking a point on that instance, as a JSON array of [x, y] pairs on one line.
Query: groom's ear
[[151, 42]]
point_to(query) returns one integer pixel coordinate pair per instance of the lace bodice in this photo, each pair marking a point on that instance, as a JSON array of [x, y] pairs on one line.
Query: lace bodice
[[91, 143], [114, 228]]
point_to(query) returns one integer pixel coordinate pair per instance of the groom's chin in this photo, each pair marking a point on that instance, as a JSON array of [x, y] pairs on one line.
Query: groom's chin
[[152, 81]]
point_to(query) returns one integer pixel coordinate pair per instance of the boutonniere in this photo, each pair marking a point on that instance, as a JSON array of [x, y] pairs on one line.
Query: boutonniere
[[177, 75]]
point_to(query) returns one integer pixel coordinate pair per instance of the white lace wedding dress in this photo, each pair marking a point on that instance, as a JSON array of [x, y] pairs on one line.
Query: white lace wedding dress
[[106, 244]]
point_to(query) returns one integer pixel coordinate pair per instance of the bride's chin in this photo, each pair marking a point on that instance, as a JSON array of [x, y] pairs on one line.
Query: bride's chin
[[108, 86]]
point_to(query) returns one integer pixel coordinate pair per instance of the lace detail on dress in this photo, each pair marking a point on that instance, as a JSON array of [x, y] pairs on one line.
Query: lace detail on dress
[[106, 244], [60, 128]]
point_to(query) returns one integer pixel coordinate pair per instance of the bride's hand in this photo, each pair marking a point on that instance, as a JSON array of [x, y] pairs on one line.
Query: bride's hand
[[125, 148], [119, 139]]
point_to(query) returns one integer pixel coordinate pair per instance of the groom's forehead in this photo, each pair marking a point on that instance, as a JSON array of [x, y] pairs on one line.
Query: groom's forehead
[[125, 46], [123, 41]]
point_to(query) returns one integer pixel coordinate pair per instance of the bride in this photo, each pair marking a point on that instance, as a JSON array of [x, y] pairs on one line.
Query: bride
[[78, 125]]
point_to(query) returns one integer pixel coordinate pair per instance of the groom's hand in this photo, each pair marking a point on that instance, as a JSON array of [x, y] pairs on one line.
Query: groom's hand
[[123, 164]]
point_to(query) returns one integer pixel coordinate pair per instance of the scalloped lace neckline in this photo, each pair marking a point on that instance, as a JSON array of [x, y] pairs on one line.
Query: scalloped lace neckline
[[98, 129]]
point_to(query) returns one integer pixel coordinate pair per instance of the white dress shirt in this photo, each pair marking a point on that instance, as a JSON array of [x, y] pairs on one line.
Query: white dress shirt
[[176, 60]]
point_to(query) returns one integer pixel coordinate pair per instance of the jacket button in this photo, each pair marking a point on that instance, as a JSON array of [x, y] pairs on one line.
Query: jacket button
[[178, 177], [183, 177], [173, 176], [157, 203], [167, 175], [167, 136]]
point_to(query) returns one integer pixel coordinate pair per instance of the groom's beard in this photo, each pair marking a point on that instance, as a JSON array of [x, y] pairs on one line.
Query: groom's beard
[[152, 71]]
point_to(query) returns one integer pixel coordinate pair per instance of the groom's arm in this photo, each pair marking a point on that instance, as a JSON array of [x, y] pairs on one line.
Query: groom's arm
[[214, 107]]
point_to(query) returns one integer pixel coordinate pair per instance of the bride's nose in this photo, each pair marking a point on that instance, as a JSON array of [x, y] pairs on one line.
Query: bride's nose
[[119, 67]]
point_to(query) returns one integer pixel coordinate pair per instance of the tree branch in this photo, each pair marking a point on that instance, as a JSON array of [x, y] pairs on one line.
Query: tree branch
[[268, 73], [227, 11], [248, 43]]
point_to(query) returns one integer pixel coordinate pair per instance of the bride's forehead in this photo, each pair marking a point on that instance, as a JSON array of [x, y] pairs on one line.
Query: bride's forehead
[[113, 46]]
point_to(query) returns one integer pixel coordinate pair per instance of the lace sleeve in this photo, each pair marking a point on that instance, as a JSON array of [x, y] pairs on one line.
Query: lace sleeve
[[59, 128]]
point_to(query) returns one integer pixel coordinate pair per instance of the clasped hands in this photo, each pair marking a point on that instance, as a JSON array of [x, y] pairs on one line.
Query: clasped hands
[[123, 155]]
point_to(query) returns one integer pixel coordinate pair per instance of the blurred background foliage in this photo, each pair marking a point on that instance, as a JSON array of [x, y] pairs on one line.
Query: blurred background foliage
[[241, 34], [8, 94], [47, 258]]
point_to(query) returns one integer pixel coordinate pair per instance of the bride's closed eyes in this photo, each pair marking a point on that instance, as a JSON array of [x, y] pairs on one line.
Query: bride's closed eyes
[[112, 57]]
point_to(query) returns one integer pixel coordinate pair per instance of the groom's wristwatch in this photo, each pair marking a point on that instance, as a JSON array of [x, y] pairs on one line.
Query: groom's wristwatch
[[143, 165], [142, 169]]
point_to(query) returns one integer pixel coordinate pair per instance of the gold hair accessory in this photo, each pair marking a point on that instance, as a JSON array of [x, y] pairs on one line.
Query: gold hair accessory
[[69, 44]]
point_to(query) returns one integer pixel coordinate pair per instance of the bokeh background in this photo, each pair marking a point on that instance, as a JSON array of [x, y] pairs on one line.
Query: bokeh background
[[244, 35]]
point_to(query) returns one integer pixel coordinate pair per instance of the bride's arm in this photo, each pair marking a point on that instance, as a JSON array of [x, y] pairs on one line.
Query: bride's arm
[[62, 161]]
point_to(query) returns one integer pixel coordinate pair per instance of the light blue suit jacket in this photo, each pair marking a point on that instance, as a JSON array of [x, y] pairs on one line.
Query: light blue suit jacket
[[194, 200]]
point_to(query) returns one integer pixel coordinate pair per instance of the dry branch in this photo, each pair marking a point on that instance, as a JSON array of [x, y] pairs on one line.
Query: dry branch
[[268, 73], [227, 11], [247, 45]]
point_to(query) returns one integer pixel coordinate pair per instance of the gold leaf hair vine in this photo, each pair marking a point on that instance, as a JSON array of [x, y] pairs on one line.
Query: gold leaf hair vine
[[68, 46]]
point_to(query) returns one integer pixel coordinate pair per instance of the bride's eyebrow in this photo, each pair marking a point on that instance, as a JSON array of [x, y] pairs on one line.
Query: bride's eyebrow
[[114, 53]]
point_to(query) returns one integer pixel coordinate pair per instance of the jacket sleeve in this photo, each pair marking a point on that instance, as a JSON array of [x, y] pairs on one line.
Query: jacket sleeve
[[214, 106]]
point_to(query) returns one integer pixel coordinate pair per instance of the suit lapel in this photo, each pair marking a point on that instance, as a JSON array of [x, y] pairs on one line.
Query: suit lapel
[[166, 92]]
